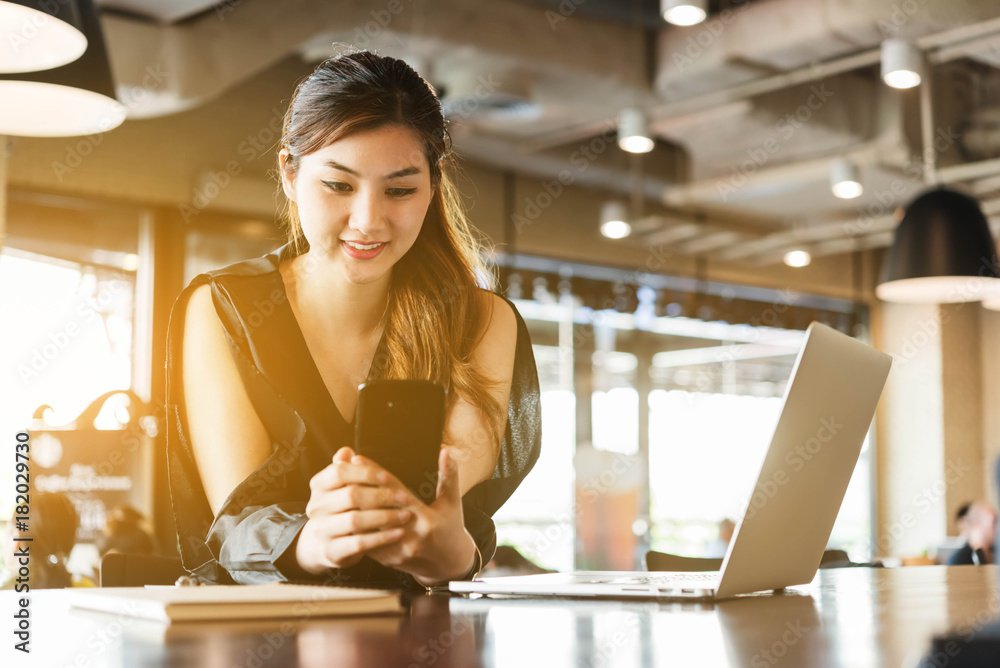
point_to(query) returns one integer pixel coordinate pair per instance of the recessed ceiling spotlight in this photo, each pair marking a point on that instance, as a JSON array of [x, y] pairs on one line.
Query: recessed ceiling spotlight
[[633, 135], [798, 258], [902, 63], [613, 221], [845, 180], [684, 12]]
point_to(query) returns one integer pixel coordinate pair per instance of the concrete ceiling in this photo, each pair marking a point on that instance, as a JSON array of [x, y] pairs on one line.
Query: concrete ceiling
[[163, 11], [748, 110]]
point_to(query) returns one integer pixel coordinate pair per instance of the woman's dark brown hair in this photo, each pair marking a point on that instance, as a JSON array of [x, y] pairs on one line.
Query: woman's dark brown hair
[[437, 312]]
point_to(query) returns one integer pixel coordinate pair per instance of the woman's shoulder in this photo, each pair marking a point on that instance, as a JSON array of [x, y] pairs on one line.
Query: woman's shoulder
[[501, 336], [250, 268], [502, 316], [254, 277]]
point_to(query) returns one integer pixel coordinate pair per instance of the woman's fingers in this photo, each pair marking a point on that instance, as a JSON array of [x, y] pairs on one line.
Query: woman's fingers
[[354, 497], [344, 551], [341, 472], [345, 547], [363, 521]]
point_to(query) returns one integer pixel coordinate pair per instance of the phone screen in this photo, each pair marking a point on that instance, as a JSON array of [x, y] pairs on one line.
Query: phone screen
[[400, 425]]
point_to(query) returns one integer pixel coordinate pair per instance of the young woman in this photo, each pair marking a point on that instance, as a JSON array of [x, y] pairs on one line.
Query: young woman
[[380, 278]]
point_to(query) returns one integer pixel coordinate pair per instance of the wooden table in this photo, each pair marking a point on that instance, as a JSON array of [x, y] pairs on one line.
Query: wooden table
[[852, 617]]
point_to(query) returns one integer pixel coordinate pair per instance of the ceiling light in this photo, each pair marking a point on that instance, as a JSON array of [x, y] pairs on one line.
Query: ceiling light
[[684, 12], [39, 35], [902, 63], [993, 303], [845, 182], [798, 258], [75, 99], [613, 221], [943, 252], [633, 135]]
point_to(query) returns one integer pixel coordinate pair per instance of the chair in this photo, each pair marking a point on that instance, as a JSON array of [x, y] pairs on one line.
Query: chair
[[661, 561], [135, 570], [839, 559], [835, 559]]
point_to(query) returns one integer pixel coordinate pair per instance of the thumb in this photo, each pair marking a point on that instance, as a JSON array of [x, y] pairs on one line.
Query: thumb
[[344, 454], [448, 486]]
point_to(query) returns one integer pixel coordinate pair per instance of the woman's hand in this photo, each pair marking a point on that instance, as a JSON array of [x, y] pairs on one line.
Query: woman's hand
[[352, 509], [435, 546]]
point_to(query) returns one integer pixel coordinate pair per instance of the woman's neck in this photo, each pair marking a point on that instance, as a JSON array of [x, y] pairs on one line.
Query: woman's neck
[[339, 306]]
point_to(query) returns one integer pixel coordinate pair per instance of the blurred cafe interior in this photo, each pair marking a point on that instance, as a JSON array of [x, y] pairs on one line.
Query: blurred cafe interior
[[668, 206]]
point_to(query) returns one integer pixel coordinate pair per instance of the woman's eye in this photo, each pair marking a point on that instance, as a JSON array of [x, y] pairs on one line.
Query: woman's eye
[[341, 187]]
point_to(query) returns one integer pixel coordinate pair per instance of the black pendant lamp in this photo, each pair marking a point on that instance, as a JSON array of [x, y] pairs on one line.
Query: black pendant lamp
[[39, 34], [73, 99], [943, 252]]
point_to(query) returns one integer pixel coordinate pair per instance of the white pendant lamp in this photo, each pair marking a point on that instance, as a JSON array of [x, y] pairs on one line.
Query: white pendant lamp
[[39, 34], [74, 99]]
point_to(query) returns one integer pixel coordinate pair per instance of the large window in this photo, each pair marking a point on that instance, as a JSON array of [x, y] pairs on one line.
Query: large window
[[538, 518], [70, 340]]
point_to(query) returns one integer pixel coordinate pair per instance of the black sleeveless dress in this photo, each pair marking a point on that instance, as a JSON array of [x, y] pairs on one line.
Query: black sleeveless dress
[[251, 540]]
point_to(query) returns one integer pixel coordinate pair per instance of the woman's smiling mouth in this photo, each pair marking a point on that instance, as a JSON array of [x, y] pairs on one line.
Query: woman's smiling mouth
[[362, 251]]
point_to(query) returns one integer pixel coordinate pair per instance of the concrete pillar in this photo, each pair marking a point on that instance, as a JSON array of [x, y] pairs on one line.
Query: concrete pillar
[[961, 380], [930, 442], [3, 190], [989, 346]]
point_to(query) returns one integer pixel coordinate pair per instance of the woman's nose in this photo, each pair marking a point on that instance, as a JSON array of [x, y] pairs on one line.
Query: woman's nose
[[367, 213]]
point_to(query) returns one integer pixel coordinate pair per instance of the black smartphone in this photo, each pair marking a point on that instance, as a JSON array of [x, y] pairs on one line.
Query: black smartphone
[[399, 424]]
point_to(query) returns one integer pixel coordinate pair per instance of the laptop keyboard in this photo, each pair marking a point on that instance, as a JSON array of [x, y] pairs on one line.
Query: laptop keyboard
[[674, 577]]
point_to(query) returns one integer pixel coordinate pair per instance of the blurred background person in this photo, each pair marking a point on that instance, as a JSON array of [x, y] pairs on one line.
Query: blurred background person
[[126, 531], [960, 516], [52, 526], [980, 532]]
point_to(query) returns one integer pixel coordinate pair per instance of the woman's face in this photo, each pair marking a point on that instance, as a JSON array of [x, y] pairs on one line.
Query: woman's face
[[362, 200]]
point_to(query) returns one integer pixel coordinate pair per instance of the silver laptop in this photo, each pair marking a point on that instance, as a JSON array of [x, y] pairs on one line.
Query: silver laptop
[[826, 411]]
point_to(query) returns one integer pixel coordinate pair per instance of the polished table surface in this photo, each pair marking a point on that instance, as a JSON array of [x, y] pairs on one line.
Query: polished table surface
[[852, 617]]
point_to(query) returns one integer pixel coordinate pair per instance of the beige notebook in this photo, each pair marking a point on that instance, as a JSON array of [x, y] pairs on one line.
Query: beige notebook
[[267, 601]]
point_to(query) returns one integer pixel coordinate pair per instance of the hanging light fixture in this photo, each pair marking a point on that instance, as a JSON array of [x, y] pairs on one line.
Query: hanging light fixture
[[845, 181], [993, 303], [74, 99], [39, 35], [633, 135], [943, 252], [902, 63], [684, 12], [614, 224], [798, 258]]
